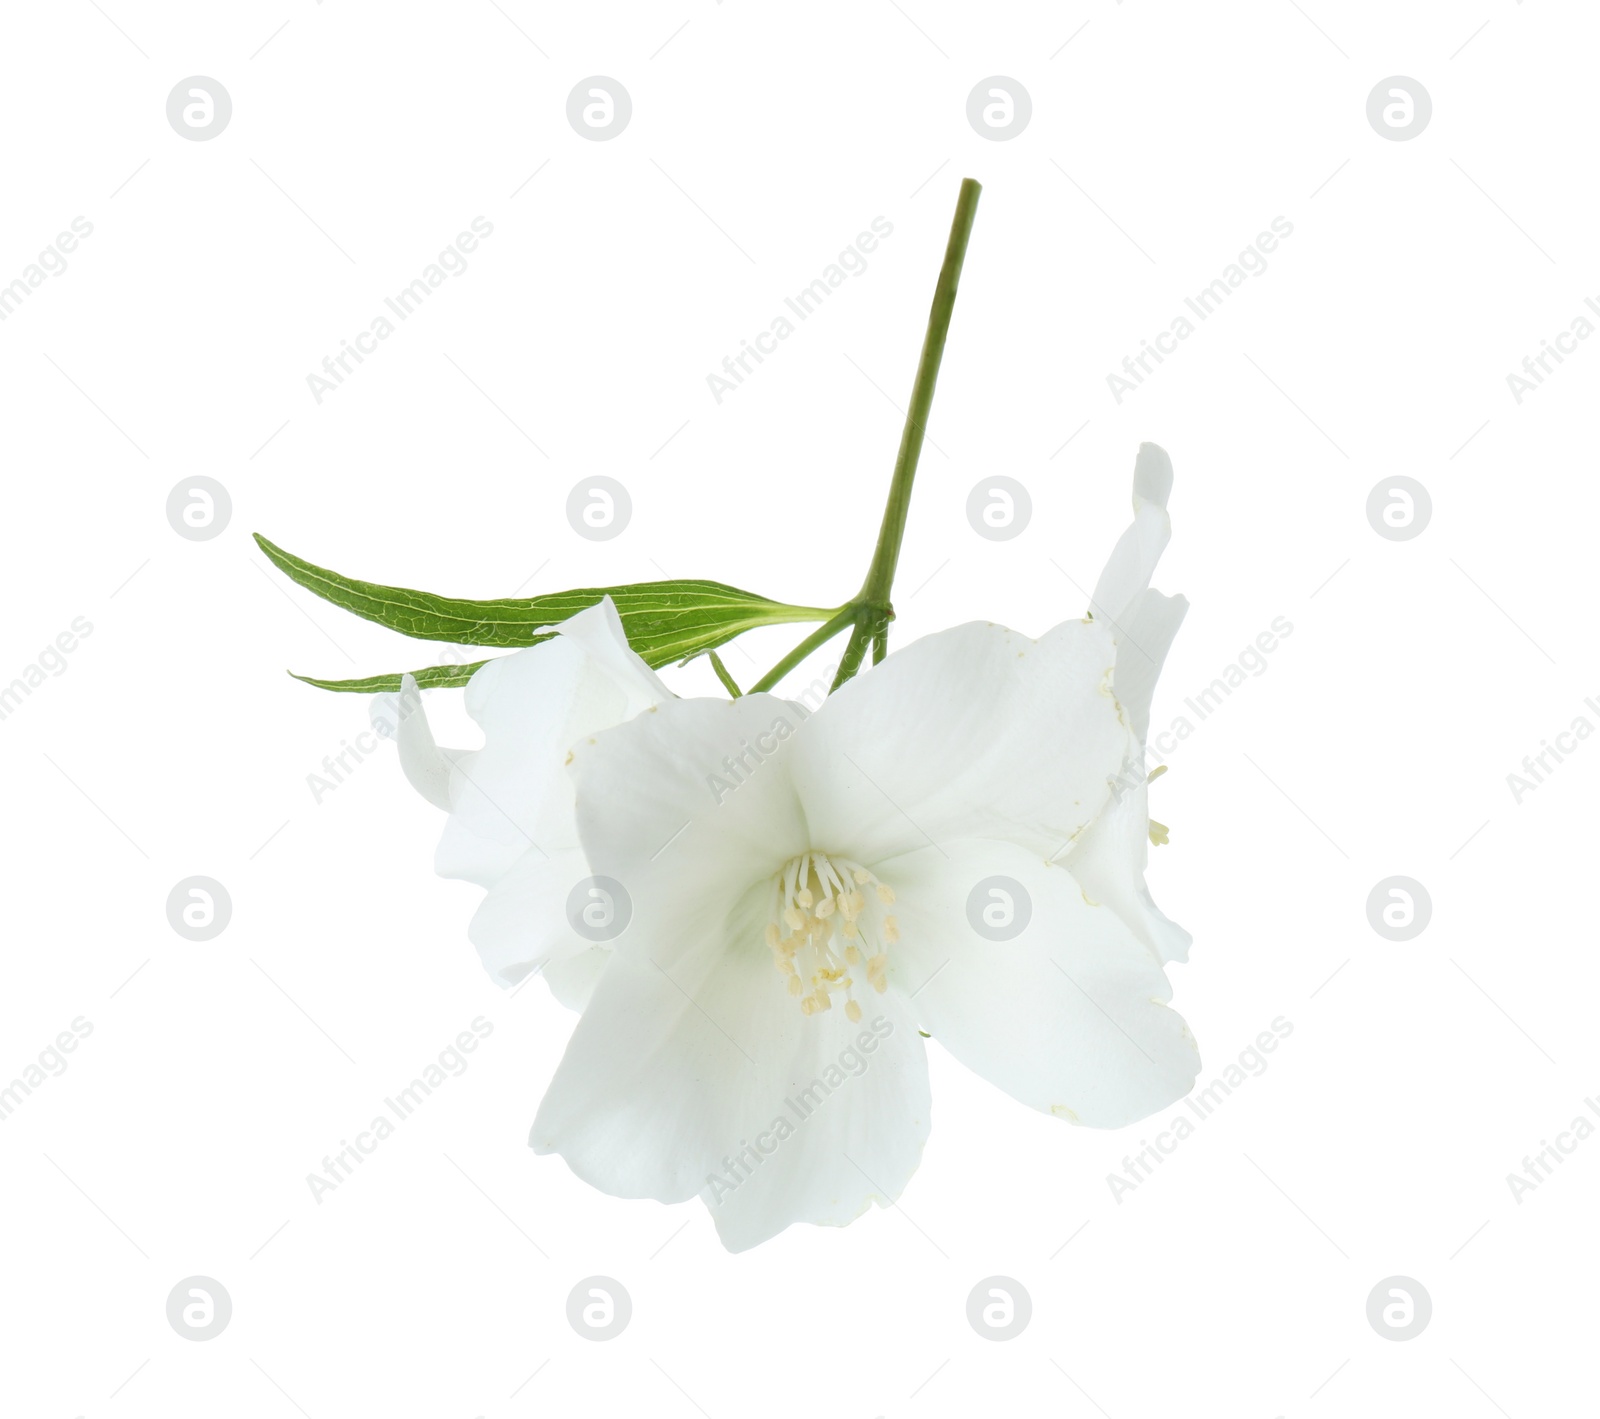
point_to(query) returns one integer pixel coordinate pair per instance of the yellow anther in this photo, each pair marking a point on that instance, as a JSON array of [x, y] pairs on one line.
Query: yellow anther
[[822, 927]]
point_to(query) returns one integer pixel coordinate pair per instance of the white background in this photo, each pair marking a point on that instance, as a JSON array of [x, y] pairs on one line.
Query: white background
[[1164, 137]]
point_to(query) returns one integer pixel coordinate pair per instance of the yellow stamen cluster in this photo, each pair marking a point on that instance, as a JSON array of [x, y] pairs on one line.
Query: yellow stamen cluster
[[823, 925]]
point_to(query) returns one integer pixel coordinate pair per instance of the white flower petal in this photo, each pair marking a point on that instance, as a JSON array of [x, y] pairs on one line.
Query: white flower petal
[[599, 631], [1148, 630], [1109, 862], [691, 802], [1110, 858], [514, 794], [425, 765], [1134, 559], [1069, 1017], [860, 1122], [977, 731], [572, 979], [674, 1071], [522, 925], [512, 828]]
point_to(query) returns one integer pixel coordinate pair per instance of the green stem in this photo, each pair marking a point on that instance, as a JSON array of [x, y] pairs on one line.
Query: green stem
[[868, 614], [845, 616], [728, 682], [873, 600]]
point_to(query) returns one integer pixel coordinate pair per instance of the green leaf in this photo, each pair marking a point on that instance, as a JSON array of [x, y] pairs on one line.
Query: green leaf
[[664, 621], [433, 677]]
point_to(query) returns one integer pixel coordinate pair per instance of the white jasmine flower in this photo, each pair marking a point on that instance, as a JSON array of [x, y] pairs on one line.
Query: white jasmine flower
[[952, 844], [1109, 860], [807, 891], [511, 827]]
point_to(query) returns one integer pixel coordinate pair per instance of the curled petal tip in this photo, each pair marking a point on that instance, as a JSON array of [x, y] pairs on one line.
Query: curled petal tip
[[1152, 475]]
